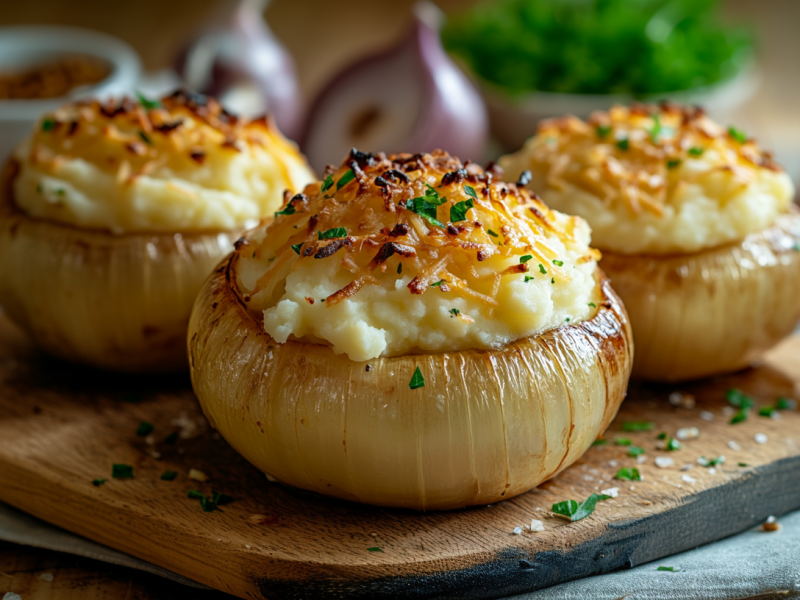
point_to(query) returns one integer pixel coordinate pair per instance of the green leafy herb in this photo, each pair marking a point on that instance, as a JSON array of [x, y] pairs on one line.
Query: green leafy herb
[[289, 210], [673, 162], [623, 441], [455, 312], [602, 131], [458, 212], [417, 380], [296, 247], [144, 429], [524, 259], [600, 442], [743, 464], [558, 263], [696, 151], [326, 185], [221, 499], [662, 436], [195, 494], [628, 474], [739, 417], [438, 283], [592, 304], [491, 233], [426, 206], [528, 278], [374, 549], [566, 320], [207, 504], [655, 132], [48, 125], [345, 179], [670, 569], [98, 482], [542, 270], [784, 403], [169, 475], [710, 462], [171, 438], [766, 411], [638, 426], [146, 103], [336, 232], [739, 399], [399, 268], [120, 471], [470, 191], [623, 144], [673, 445], [573, 511], [552, 280], [145, 138], [737, 134], [636, 451]]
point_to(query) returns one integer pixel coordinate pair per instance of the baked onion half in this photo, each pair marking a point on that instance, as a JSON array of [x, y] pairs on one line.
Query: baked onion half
[[421, 429]]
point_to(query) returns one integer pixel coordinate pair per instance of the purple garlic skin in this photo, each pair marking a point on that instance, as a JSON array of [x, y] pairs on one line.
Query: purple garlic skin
[[243, 65], [410, 98]]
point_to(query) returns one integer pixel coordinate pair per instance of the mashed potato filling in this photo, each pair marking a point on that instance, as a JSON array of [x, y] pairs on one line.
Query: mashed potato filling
[[655, 180], [179, 165], [432, 294]]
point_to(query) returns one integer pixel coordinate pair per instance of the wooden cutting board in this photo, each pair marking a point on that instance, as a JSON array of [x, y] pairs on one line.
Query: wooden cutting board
[[62, 426]]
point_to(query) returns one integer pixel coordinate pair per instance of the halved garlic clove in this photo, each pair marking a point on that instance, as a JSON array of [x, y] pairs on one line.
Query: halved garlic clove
[[714, 311]]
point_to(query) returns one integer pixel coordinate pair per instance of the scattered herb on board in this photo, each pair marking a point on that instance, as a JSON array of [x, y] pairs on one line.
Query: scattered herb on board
[[195, 494], [417, 380], [120, 471], [628, 474], [458, 212], [766, 411], [669, 569], [169, 475], [573, 511], [636, 451], [171, 438], [673, 445], [221, 499], [144, 429], [98, 482], [743, 464], [623, 441], [600, 442], [146, 103], [638, 426], [374, 549], [345, 179], [784, 403], [710, 462], [662, 436]]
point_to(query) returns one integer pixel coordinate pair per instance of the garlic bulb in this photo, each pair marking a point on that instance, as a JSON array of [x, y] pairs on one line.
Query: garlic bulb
[[485, 427], [713, 311]]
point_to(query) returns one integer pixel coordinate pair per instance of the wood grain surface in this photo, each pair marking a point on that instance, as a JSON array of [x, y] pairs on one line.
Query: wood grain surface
[[63, 426]]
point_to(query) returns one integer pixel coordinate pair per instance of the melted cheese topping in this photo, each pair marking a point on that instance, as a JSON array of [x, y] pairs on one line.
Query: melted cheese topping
[[183, 164], [387, 257], [654, 179]]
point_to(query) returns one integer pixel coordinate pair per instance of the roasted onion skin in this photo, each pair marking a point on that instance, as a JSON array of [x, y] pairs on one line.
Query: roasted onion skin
[[117, 302], [487, 425], [714, 311]]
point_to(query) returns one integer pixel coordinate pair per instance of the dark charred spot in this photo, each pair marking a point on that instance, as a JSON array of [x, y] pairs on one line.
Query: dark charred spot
[[240, 243], [168, 127], [524, 178], [330, 249], [482, 255], [452, 177], [73, 127], [363, 159], [400, 230], [394, 176], [452, 230], [198, 157]]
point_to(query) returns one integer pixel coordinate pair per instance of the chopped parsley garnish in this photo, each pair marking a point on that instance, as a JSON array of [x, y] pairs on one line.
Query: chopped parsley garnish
[[599, 442], [662, 435], [673, 445], [296, 247], [573, 511], [636, 451], [120, 471], [169, 475], [542, 270], [737, 134], [528, 278], [638, 426], [221, 499], [784, 403], [623, 441], [60, 192], [345, 179], [417, 380], [696, 151], [208, 505], [399, 268], [739, 417], [145, 138], [426, 205], [289, 210], [742, 464], [491, 233], [195, 495], [374, 549], [470, 191], [455, 312], [566, 320], [628, 474], [336, 232], [673, 162], [592, 304], [602, 131], [144, 429], [48, 125], [524, 259], [741, 401], [656, 130], [438, 283], [552, 280], [98, 482], [458, 212], [670, 569], [146, 103], [710, 462], [558, 263], [326, 185], [171, 438], [623, 144], [766, 411]]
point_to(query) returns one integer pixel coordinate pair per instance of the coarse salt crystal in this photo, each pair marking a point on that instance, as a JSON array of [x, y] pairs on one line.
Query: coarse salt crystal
[[664, 461], [761, 438], [632, 488], [197, 475], [518, 530], [612, 463], [728, 411], [771, 524], [687, 467], [734, 446], [46, 576], [706, 415], [687, 433], [537, 525], [688, 479], [12, 596], [682, 400], [247, 546], [641, 459], [712, 471], [613, 492], [588, 478]]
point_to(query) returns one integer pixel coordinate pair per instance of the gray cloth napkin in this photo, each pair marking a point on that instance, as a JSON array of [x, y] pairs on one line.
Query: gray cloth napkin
[[754, 563]]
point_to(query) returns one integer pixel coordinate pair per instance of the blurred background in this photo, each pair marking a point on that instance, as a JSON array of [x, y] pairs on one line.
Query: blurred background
[[738, 58]]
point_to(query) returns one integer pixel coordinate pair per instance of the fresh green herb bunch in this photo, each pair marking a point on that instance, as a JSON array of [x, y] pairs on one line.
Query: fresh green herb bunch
[[634, 47]]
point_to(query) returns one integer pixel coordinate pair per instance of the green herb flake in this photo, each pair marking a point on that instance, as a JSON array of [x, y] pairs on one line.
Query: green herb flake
[[662, 436], [345, 179], [592, 304], [470, 191], [573, 511], [145, 138], [600, 442], [552, 280], [673, 162], [289, 210], [673, 445], [417, 380], [399, 268], [438, 283], [766, 411], [374, 549], [628, 474], [326, 185], [144, 429], [655, 131], [566, 320], [737, 134], [458, 212], [146, 103], [743, 464], [638, 426], [558, 263], [48, 125], [171, 438], [636, 451], [528, 278], [784, 403], [120, 471], [491, 233], [739, 399], [623, 144], [739, 417], [207, 504], [696, 151], [542, 270], [455, 312], [425, 209], [602, 131], [330, 234], [524, 259], [623, 441], [710, 462], [296, 248], [169, 475], [221, 499], [98, 482], [195, 495], [670, 569]]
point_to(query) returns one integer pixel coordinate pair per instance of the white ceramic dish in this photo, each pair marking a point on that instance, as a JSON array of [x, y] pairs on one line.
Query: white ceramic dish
[[24, 45]]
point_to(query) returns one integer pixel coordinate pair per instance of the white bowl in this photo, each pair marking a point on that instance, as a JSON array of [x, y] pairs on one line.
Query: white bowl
[[21, 46], [514, 120]]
